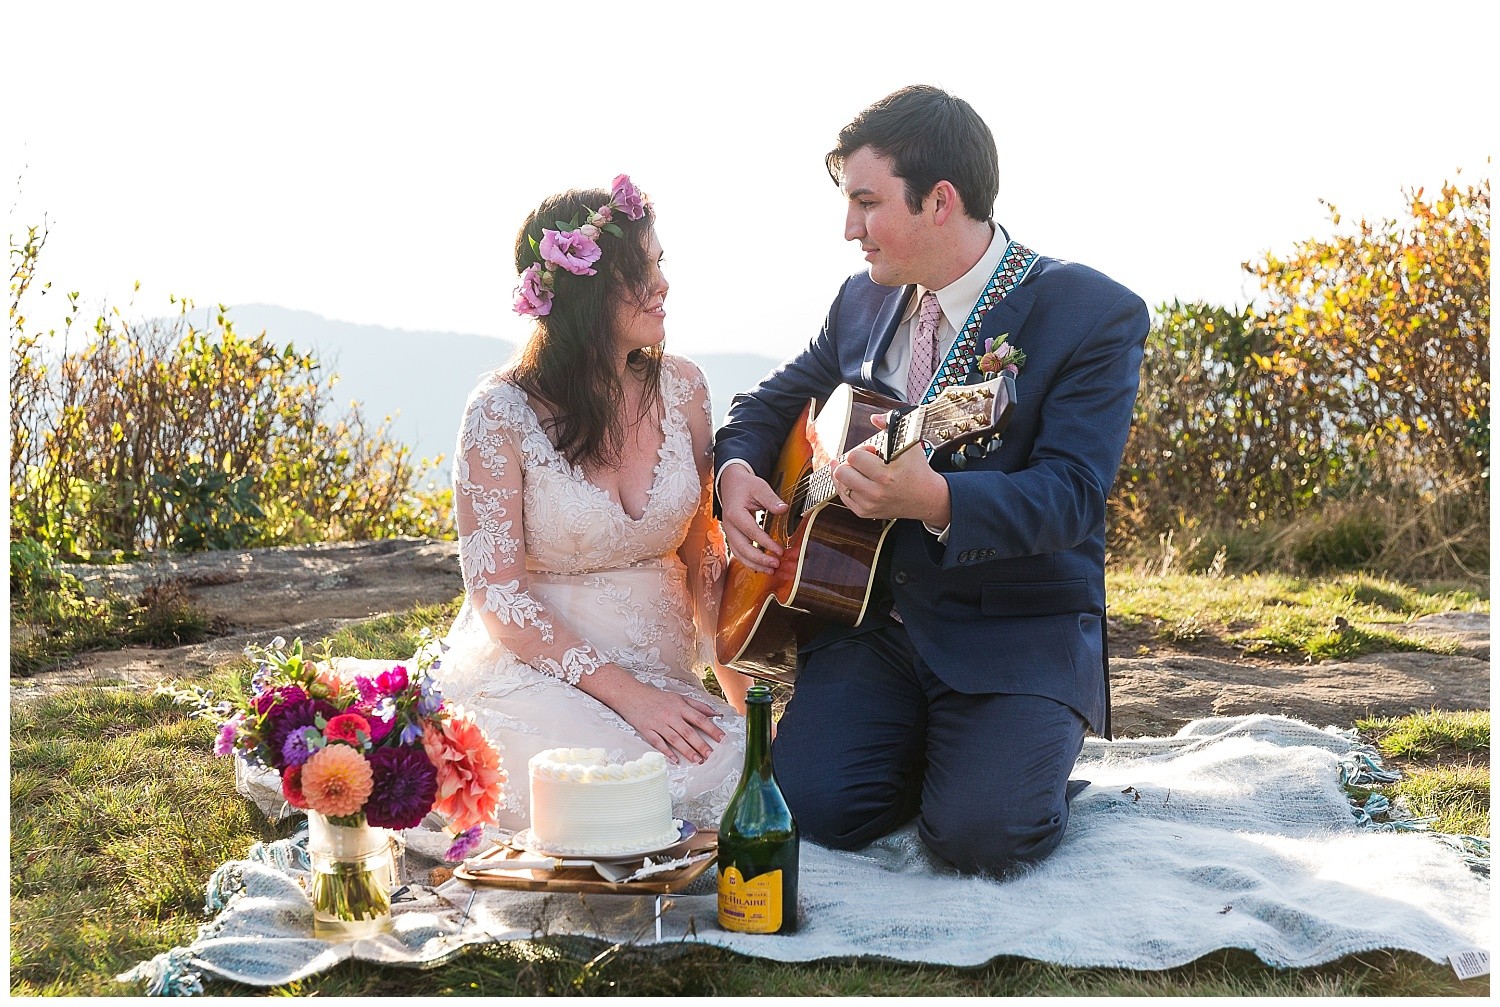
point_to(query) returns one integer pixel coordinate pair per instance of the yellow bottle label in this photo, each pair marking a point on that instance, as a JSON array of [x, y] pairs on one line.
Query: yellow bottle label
[[750, 907]]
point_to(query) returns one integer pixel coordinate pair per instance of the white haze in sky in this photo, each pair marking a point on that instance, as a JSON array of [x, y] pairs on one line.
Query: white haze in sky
[[372, 163]]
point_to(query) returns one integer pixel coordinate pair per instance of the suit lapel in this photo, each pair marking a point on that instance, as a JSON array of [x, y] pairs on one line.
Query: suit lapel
[[881, 333], [1005, 318]]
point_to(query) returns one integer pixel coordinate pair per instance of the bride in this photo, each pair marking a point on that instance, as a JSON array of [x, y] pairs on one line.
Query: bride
[[592, 563]]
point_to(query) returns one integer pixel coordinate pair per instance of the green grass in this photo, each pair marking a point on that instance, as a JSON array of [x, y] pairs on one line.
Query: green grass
[[119, 815], [1424, 734], [1278, 614]]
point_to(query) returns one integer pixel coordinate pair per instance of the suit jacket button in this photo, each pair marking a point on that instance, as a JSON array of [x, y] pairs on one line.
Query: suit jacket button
[[900, 576]]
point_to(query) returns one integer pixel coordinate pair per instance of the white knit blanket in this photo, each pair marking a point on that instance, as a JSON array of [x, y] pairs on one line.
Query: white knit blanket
[[1235, 833]]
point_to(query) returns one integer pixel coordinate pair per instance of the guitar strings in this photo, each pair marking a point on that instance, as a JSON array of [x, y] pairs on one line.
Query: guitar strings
[[818, 486]]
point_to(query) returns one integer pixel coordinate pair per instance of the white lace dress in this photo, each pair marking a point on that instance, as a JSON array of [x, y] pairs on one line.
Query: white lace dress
[[559, 580]]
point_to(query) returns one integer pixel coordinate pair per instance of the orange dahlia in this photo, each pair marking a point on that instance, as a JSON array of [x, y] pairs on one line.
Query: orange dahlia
[[336, 781], [469, 773]]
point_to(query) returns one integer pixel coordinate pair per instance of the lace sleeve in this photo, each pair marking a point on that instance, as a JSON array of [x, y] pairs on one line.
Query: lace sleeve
[[487, 503], [703, 551]]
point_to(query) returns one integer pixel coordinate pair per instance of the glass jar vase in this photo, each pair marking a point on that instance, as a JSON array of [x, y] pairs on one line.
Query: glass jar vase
[[352, 873]]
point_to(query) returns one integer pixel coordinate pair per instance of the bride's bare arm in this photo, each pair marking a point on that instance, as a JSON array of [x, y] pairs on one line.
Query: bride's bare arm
[[488, 509], [703, 551]]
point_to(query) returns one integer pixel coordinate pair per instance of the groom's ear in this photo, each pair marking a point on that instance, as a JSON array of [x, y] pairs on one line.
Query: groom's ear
[[943, 202]]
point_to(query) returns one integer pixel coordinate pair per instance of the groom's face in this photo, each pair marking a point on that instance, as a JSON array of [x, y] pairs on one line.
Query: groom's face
[[897, 243]]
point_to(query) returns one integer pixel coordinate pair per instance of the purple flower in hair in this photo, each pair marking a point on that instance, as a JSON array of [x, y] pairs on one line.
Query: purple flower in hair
[[569, 250], [627, 197], [532, 296]]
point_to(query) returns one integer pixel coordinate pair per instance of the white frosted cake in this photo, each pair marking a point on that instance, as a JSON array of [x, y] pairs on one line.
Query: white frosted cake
[[582, 804]]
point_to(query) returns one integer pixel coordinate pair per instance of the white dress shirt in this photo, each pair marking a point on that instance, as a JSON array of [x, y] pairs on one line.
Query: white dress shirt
[[957, 300]]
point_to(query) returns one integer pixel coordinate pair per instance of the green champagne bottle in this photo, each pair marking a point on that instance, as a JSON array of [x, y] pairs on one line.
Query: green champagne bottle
[[758, 838]]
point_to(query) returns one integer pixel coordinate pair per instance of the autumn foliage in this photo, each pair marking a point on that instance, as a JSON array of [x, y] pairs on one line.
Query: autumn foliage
[[160, 435], [1342, 422]]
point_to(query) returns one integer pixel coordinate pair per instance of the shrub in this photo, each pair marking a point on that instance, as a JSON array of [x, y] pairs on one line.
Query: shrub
[[159, 435]]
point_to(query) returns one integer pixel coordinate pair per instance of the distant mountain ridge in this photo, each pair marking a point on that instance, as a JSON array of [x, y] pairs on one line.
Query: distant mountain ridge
[[422, 379]]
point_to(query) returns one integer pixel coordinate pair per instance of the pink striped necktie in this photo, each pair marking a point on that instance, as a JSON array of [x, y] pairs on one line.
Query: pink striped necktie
[[923, 348]]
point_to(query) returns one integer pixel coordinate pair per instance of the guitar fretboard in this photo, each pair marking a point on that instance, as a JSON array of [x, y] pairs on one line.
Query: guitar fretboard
[[818, 487]]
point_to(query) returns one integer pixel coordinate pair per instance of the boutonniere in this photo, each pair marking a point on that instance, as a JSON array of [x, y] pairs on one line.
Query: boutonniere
[[1000, 356]]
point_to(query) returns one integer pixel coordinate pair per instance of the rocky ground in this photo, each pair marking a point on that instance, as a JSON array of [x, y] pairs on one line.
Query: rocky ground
[[310, 591]]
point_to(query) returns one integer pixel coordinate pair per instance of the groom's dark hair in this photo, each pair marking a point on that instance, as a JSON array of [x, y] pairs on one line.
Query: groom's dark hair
[[929, 136]]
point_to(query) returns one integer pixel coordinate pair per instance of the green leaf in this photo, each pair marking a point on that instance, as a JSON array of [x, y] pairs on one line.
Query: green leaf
[[613, 229]]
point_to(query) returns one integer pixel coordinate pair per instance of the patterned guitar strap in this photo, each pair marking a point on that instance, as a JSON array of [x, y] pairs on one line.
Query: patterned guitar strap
[[1014, 265]]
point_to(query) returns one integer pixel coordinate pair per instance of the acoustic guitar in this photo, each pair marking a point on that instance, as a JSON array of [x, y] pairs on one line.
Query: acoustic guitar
[[827, 567]]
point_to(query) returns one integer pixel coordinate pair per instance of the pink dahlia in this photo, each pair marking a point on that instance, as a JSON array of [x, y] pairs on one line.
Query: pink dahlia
[[336, 781], [468, 771]]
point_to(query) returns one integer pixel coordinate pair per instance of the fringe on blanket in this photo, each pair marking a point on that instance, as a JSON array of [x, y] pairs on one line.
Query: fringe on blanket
[[1363, 768]]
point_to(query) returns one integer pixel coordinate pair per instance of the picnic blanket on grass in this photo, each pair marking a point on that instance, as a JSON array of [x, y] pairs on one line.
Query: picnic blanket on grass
[[1237, 832]]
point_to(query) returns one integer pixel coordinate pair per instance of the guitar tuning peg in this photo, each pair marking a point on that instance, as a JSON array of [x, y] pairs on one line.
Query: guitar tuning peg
[[995, 443], [958, 460], [974, 452]]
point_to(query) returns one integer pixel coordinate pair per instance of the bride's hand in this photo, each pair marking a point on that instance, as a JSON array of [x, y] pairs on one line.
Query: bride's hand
[[673, 724]]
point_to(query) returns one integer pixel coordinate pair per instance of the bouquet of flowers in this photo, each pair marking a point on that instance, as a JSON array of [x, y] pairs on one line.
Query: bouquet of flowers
[[359, 750]]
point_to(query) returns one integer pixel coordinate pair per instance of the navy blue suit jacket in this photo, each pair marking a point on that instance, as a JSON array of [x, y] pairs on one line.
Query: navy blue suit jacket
[[1014, 601]]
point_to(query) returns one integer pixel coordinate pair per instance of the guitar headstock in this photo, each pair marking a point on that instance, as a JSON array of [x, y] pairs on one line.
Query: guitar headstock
[[958, 415]]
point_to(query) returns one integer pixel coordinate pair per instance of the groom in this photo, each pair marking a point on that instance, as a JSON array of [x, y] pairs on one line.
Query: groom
[[963, 696]]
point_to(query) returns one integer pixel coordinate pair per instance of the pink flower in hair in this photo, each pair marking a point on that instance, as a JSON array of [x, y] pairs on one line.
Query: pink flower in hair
[[627, 197], [532, 296], [569, 250], [603, 215]]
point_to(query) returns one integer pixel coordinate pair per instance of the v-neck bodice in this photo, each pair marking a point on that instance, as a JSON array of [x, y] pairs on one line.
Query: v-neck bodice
[[573, 525]]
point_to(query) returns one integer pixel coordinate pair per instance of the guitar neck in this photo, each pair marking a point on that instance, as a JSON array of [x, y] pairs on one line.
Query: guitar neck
[[820, 487]]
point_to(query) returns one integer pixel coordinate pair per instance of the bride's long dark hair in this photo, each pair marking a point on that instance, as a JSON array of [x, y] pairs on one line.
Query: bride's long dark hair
[[570, 361]]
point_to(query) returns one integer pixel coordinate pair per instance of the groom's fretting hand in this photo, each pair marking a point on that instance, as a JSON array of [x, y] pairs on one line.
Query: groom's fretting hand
[[908, 487], [742, 494]]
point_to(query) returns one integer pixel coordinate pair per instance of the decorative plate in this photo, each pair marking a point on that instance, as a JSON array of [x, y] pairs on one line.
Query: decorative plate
[[524, 840]]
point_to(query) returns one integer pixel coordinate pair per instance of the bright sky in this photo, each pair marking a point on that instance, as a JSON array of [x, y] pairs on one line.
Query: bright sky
[[372, 163]]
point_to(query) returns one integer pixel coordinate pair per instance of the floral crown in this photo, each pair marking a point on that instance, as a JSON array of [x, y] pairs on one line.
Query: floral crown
[[574, 246]]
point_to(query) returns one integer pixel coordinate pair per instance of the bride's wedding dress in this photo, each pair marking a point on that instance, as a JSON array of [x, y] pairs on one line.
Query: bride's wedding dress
[[560, 579]]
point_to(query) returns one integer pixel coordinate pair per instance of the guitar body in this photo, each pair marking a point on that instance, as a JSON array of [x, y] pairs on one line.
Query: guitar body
[[828, 554], [828, 561]]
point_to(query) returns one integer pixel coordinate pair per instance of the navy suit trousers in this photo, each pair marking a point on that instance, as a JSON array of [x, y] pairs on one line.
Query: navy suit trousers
[[872, 738]]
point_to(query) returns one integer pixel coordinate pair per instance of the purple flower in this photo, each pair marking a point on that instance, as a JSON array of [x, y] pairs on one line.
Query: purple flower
[[225, 742], [300, 745], [368, 691], [464, 843], [292, 718], [532, 296], [282, 695], [403, 787], [382, 717], [429, 697], [569, 250], [625, 196]]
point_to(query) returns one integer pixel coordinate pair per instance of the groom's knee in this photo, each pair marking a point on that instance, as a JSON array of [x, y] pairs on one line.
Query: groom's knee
[[831, 813], [992, 844]]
